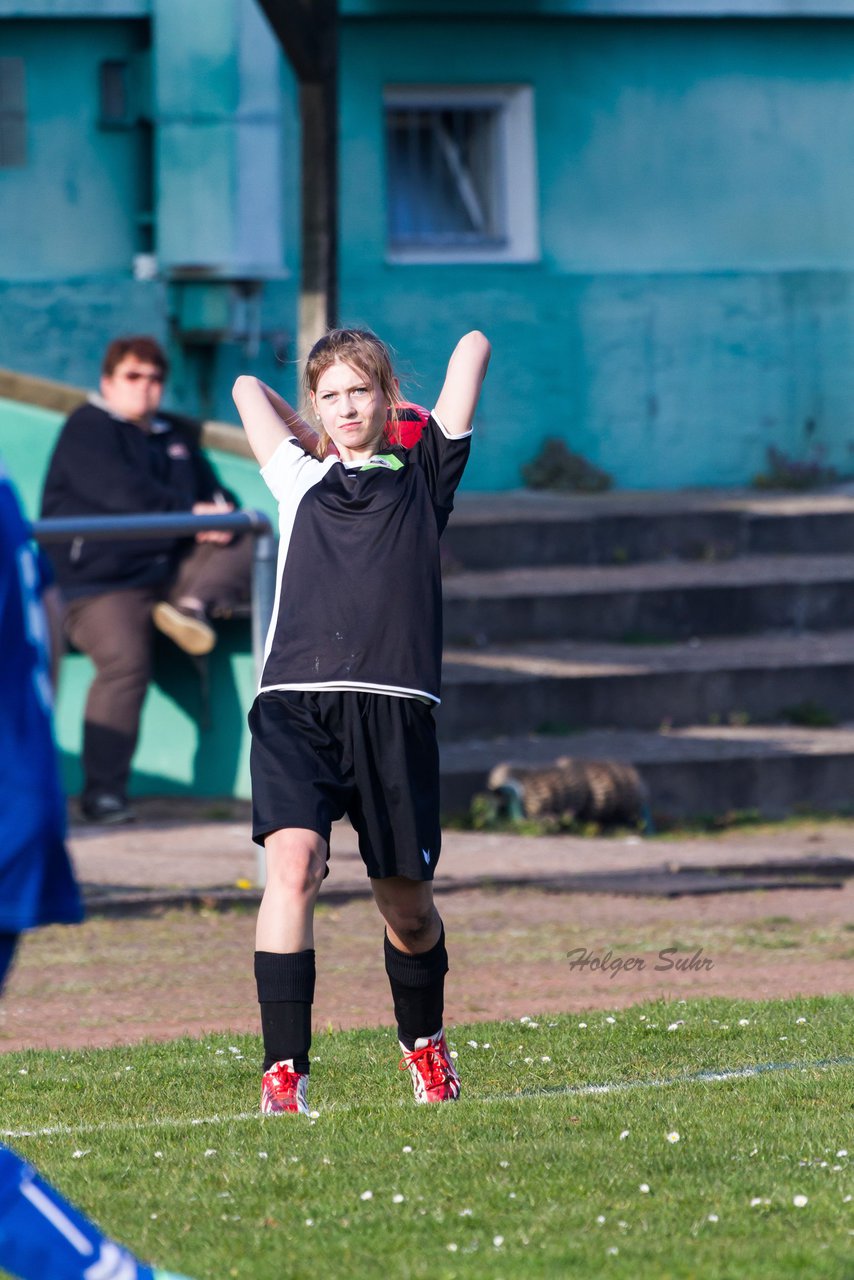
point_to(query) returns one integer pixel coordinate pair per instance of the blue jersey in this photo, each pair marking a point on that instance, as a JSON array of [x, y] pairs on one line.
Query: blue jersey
[[36, 882]]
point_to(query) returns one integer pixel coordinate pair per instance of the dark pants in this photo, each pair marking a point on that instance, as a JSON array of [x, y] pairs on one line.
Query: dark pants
[[116, 632]]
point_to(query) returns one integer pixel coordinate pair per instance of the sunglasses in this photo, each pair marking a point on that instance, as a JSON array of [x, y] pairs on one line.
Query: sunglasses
[[134, 376]]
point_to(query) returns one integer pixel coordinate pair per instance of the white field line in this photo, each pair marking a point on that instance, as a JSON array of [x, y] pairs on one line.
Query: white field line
[[574, 1090]]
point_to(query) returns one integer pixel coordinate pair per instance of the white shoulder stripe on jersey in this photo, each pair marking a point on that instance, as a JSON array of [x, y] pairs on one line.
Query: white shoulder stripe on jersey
[[463, 435]]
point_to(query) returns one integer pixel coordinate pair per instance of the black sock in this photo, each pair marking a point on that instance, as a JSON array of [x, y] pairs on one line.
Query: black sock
[[285, 993], [417, 989]]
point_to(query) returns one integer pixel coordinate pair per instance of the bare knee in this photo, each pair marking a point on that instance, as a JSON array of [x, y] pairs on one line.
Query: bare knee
[[295, 865], [414, 927]]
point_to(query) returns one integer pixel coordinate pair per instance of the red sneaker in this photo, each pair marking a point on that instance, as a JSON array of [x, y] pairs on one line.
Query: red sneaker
[[431, 1067], [283, 1089]]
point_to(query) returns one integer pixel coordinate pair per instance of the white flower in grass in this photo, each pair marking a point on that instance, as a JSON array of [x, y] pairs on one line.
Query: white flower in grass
[[452, 1248], [529, 1062], [465, 1213], [611, 1020], [744, 1022], [454, 1053], [674, 1026], [713, 1217], [799, 1022], [78, 1155], [613, 1250], [582, 1026], [673, 1136], [24, 1071], [262, 1155], [366, 1195], [601, 1219], [525, 1019], [644, 1187], [158, 1155], [846, 1199], [498, 1241], [314, 1115], [756, 1200], [545, 1059], [211, 1151], [624, 1135], [397, 1198], [504, 1164], [486, 1046], [799, 1201], [407, 1149], [842, 1152], [309, 1222], [472, 1044]]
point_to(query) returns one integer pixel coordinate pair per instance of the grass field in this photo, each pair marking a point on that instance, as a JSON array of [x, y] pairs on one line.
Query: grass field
[[536, 1172]]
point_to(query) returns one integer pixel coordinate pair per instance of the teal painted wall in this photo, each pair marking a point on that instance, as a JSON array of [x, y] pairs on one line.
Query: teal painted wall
[[216, 166], [71, 211], [178, 753], [693, 300]]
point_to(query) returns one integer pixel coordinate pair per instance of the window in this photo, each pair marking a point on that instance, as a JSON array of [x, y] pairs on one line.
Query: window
[[13, 114], [460, 174], [114, 95]]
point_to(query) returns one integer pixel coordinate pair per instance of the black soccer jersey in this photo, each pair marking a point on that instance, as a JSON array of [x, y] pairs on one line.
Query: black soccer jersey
[[359, 596]]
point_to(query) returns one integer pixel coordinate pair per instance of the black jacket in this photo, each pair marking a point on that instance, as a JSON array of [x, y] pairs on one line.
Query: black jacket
[[105, 465]]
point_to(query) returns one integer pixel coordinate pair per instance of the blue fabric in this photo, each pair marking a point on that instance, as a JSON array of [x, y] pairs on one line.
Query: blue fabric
[[43, 1237], [36, 881]]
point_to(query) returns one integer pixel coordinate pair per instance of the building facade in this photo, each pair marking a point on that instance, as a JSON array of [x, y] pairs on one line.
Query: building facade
[[146, 148], [647, 205]]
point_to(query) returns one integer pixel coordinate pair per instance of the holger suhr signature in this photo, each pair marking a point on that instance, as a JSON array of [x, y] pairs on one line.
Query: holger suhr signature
[[668, 959]]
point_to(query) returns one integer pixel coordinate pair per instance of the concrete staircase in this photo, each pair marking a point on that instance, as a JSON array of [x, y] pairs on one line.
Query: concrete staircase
[[706, 637]]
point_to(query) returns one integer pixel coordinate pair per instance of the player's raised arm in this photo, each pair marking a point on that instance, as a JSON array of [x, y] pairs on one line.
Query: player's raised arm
[[268, 419], [466, 371]]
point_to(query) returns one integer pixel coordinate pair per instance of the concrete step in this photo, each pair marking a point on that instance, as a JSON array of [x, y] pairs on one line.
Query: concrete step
[[698, 770], [514, 530], [564, 685], [653, 601]]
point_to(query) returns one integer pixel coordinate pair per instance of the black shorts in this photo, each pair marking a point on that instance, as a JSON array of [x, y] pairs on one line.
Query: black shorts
[[317, 756]]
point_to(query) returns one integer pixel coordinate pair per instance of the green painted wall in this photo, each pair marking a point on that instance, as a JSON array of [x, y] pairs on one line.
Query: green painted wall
[[694, 299], [179, 752]]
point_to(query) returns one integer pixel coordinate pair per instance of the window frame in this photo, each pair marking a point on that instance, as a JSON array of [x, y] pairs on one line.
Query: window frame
[[516, 183]]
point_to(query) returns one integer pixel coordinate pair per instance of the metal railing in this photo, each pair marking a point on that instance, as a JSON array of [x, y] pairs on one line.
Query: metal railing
[[184, 525]]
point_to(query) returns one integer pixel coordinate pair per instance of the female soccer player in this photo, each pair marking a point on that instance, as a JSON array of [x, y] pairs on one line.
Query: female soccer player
[[343, 721]]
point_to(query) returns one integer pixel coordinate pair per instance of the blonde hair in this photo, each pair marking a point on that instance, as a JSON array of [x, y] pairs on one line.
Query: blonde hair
[[363, 351]]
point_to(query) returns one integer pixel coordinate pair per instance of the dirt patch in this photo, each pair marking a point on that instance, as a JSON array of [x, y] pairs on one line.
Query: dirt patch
[[117, 981]]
